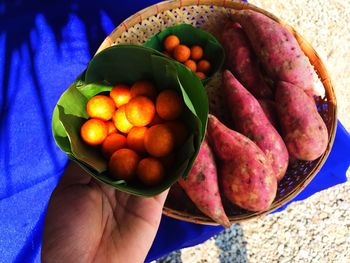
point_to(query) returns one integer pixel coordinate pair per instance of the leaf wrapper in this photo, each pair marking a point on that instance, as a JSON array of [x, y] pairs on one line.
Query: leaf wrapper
[[127, 64], [189, 35]]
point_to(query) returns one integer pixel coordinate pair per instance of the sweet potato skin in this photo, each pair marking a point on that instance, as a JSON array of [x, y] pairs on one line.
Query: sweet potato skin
[[277, 49], [241, 60], [245, 174], [202, 186], [250, 120], [269, 108], [304, 131]]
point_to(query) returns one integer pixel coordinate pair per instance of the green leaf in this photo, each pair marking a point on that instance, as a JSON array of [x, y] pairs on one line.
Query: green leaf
[[92, 89], [128, 64], [72, 101], [189, 35], [194, 94], [120, 64], [69, 115], [59, 132], [90, 156]]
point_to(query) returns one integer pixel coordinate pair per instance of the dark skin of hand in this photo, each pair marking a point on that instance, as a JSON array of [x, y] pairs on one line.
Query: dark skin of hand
[[90, 222]]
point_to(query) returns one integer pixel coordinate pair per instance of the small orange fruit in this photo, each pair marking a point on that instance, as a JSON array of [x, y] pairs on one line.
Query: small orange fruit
[[169, 105], [112, 143], [191, 65], [159, 140], [100, 107], [171, 42], [150, 171], [111, 127], [123, 164], [135, 139], [196, 52], [179, 130], [182, 53], [140, 111], [143, 88], [156, 120], [120, 94], [203, 66], [120, 121], [200, 75], [93, 131]]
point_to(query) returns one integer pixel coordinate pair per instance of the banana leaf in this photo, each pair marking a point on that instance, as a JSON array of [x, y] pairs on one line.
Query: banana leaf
[[127, 64], [189, 35]]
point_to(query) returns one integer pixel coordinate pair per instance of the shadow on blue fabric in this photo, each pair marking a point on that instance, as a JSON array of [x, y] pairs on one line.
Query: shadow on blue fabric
[[43, 47]]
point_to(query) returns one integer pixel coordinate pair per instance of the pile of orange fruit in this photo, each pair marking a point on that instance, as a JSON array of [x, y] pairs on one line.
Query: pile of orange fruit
[[138, 129], [191, 57]]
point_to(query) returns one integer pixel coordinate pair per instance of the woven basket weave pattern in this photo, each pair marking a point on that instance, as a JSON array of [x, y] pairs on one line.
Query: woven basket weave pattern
[[210, 16], [198, 16]]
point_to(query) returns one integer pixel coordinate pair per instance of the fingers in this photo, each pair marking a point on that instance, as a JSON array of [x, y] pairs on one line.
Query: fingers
[[148, 208], [137, 219], [162, 197], [73, 175], [158, 199]]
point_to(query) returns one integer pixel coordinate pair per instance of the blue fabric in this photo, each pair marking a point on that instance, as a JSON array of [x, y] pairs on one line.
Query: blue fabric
[[43, 47]]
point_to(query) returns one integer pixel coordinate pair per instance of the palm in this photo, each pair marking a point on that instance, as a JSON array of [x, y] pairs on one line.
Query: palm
[[89, 222]]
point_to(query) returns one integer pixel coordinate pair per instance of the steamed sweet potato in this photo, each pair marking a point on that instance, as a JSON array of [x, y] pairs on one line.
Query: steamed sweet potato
[[202, 187], [250, 120], [304, 131], [241, 60], [277, 49], [269, 108], [245, 174]]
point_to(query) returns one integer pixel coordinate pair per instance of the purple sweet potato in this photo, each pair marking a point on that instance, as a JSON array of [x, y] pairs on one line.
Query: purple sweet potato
[[269, 108], [250, 120], [202, 187], [277, 49], [241, 60], [245, 174], [304, 131]]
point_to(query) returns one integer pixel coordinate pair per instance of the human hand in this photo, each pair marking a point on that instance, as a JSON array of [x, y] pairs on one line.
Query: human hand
[[87, 221]]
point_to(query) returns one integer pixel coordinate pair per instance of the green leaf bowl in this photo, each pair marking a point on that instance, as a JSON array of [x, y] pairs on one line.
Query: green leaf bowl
[[128, 64], [189, 35]]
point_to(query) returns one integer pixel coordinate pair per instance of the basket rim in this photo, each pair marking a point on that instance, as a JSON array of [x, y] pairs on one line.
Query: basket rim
[[314, 58]]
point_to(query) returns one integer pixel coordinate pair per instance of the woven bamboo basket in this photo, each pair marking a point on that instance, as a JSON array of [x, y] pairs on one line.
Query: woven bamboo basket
[[210, 15]]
